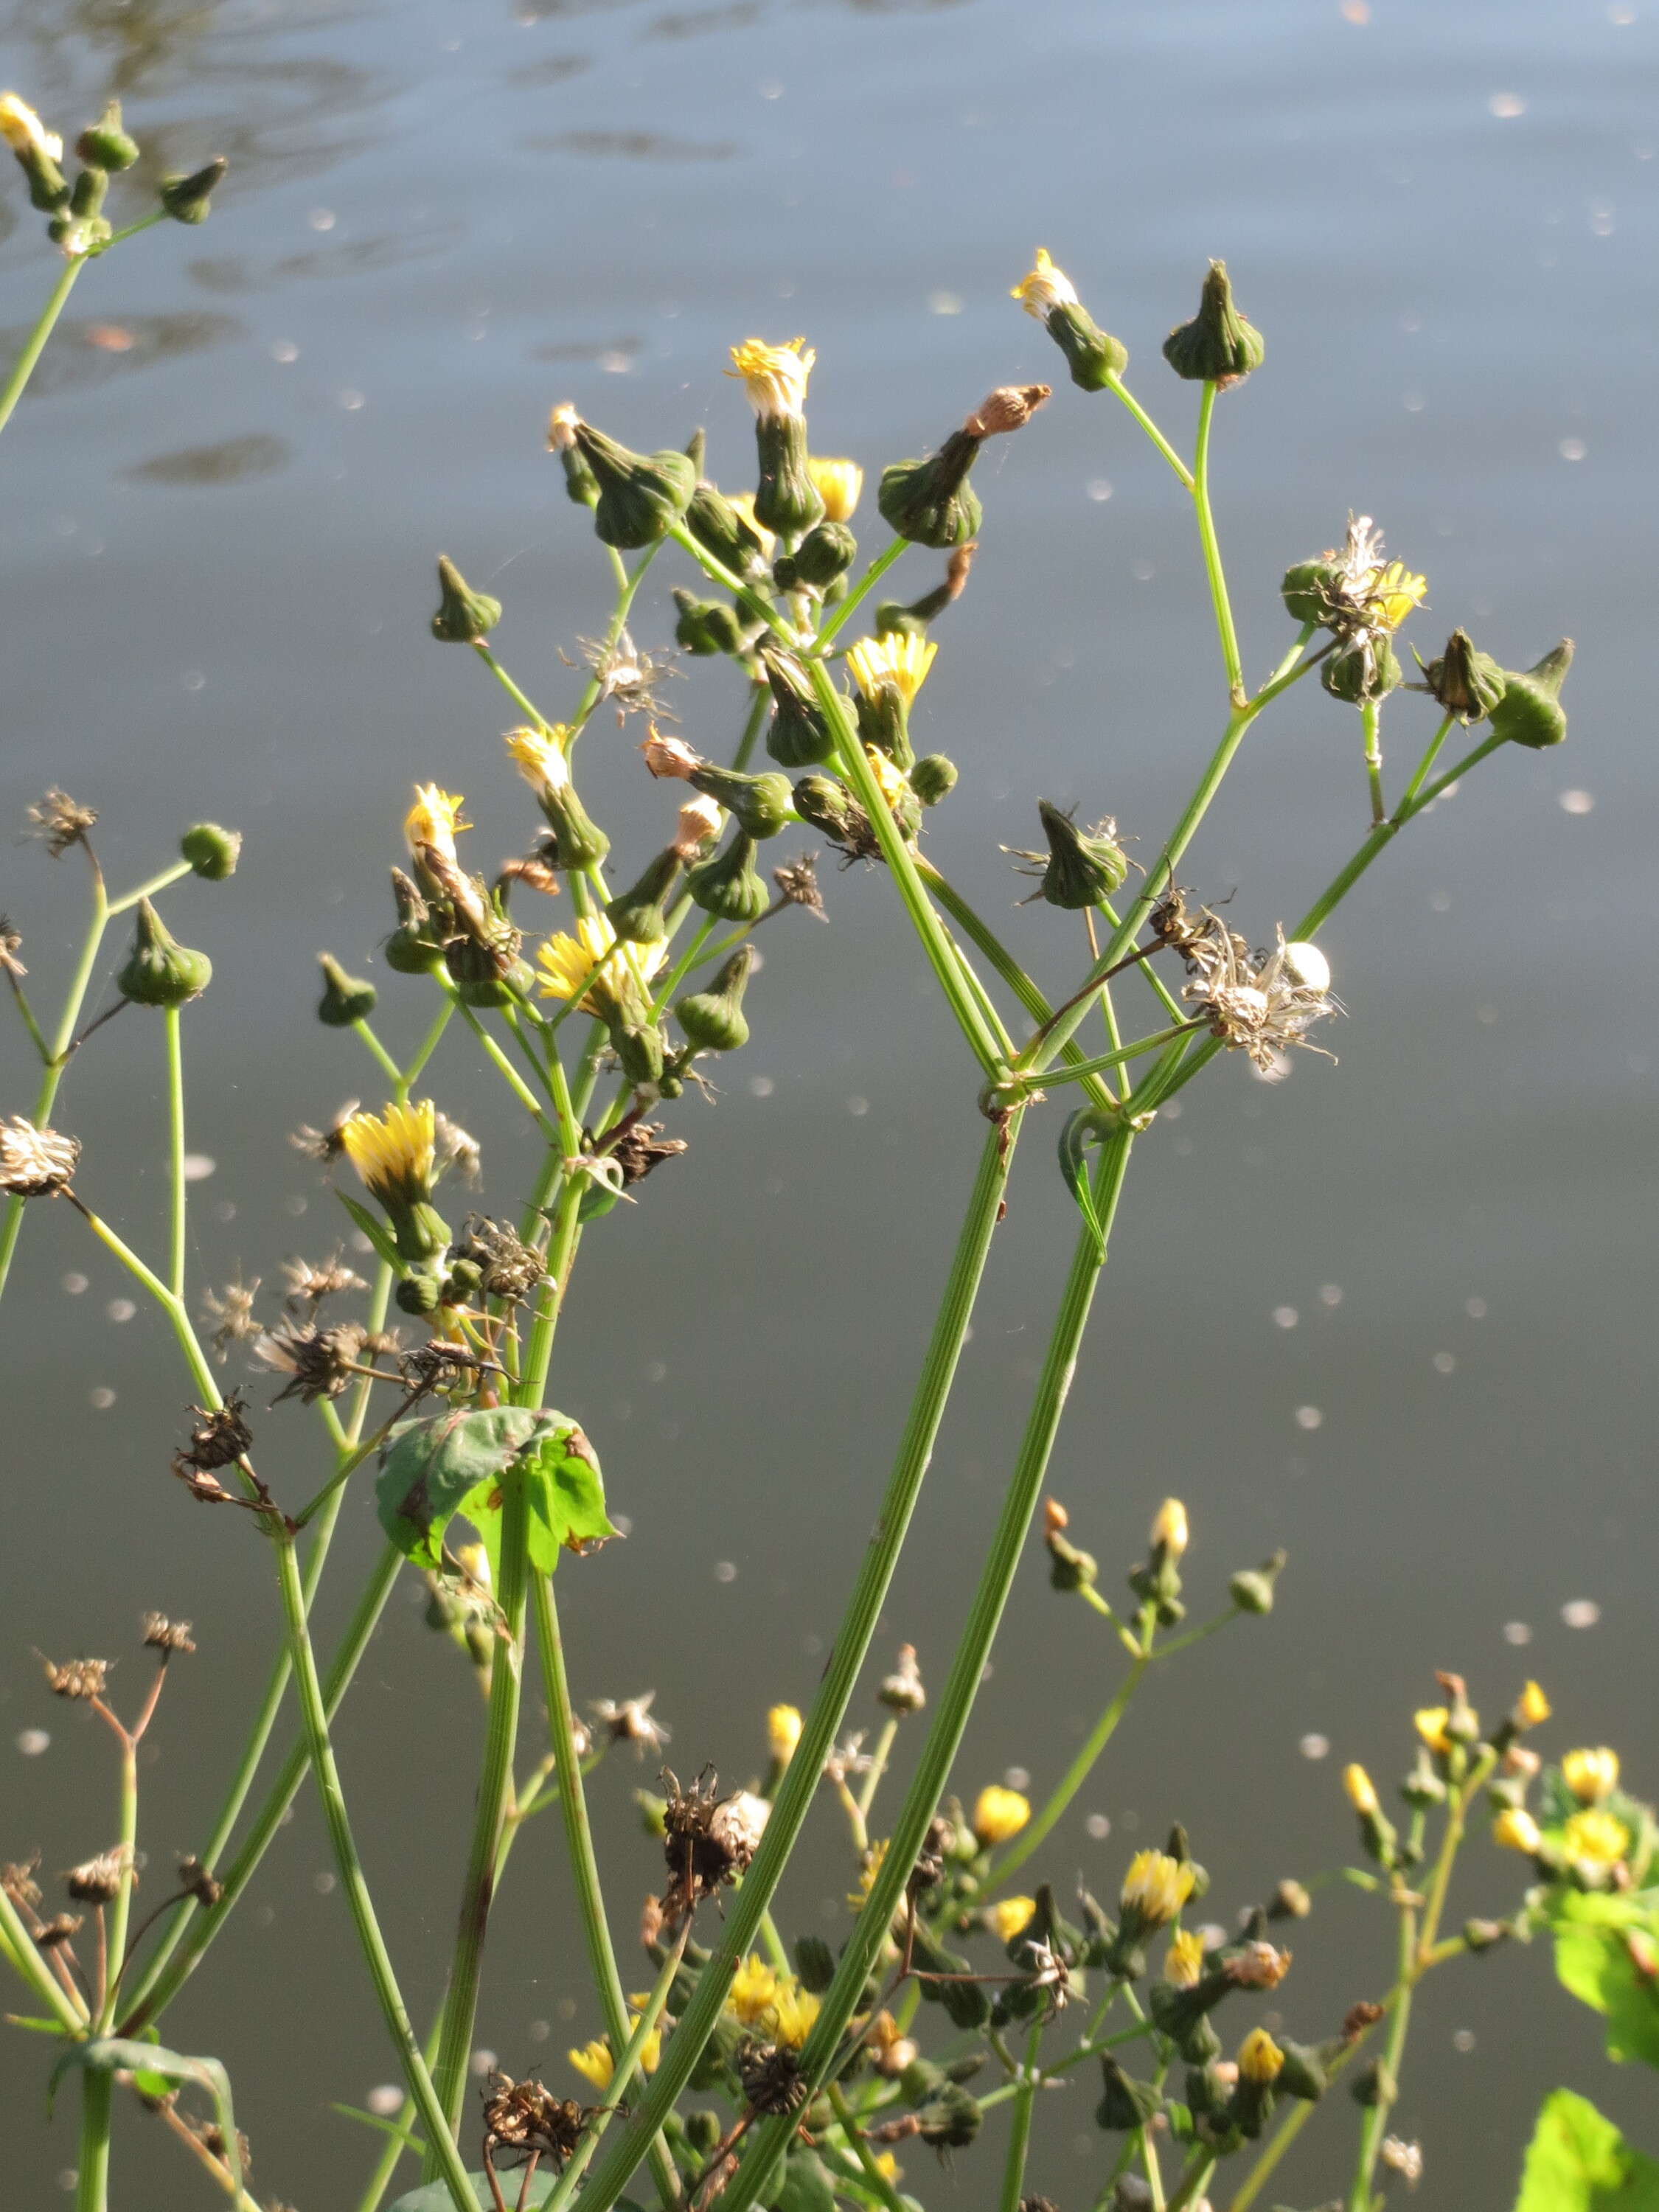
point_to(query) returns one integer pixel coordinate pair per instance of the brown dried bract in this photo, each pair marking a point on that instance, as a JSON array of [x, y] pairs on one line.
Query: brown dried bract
[[1010, 407]]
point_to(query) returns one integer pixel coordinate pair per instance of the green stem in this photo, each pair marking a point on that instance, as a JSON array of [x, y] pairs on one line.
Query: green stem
[[1376, 2113], [120, 1912], [723, 576], [489, 1814], [754, 722], [626, 2067], [92, 2162], [584, 1862], [1371, 721], [407, 1081], [1020, 2135], [1121, 391], [1426, 763], [176, 1142], [35, 344], [1077, 1070], [866, 583], [860, 2149], [967, 1673], [393, 1073], [156, 883], [1032, 1838], [23, 1955], [846, 1657], [1213, 568]]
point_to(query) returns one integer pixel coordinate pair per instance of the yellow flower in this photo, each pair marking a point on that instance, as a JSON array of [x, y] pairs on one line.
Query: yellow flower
[[540, 759], [1156, 1887], [1591, 1775], [753, 1987], [839, 483], [1045, 288], [1010, 1914], [1169, 1532], [1362, 1793], [1516, 1830], [782, 1733], [1392, 593], [888, 2166], [1260, 2058], [775, 377], [1000, 1814], [592, 2062], [566, 962], [23, 131], [1431, 1725], [1532, 1707], [791, 2014], [394, 1154], [434, 820], [894, 785], [651, 2049], [902, 662], [745, 503], [1596, 1838], [860, 1898], [1183, 1962]]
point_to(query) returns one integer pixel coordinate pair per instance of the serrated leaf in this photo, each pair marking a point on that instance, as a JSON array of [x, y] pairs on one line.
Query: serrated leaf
[[156, 2069], [1606, 1946], [375, 1230], [455, 1462], [1577, 2161], [566, 1496], [1089, 1125]]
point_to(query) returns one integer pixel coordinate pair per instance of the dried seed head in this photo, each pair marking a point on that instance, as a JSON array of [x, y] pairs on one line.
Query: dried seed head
[[166, 1636], [1260, 1966], [309, 1283], [20, 1886], [798, 884], [630, 1720], [232, 1310], [708, 1840], [198, 1882], [902, 1691], [507, 1268], [325, 1145], [60, 822], [319, 1361], [669, 756], [642, 1148], [80, 1679], [96, 1880], [772, 2079], [35, 1163], [1010, 407], [526, 2115], [219, 1438], [62, 1928], [11, 940]]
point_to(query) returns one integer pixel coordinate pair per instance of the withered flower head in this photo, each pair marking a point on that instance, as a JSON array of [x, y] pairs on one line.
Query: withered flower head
[[902, 1689], [218, 1439], [708, 1840], [641, 1148], [319, 1361], [526, 2116], [11, 940], [1290, 1901], [1258, 1965], [1010, 407], [166, 1636], [669, 756], [309, 1283], [798, 884], [62, 1928], [453, 1148], [232, 1309], [440, 1363], [630, 1720], [325, 1145], [96, 1880], [19, 1883], [35, 1163], [199, 1882], [507, 1268], [535, 870], [699, 820], [81, 1679], [627, 677], [773, 2083], [60, 822]]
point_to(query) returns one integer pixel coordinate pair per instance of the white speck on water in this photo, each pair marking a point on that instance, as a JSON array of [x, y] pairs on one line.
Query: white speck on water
[[770, 89], [1601, 220], [482, 2062], [1463, 2040], [33, 1741], [322, 218], [295, 1206], [75, 1283], [1098, 1825], [1573, 449], [616, 364], [225, 1211], [1330, 1294], [540, 2030], [1285, 1316], [1575, 802], [101, 1398], [1100, 488], [566, 2007], [360, 1242], [1017, 1777], [1621, 14], [1516, 1632], [1443, 1363], [323, 1884], [1314, 1745], [1581, 1613], [1475, 1309], [350, 398], [761, 1086], [193, 680], [198, 1166], [858, 1108], [69, 2178], [1309, 1416], [285, 351], [385, 2100], [945, 303], [1143, 571], [1413, 402], [120, 1309], [725, 1572], [656, 1371], [1506, 105]]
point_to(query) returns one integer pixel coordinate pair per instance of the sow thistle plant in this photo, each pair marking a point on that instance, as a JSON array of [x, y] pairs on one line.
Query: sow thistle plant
[[970, 1980]]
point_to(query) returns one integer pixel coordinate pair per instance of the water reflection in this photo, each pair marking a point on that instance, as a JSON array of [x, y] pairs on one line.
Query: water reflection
[[232, 460], [87, 352], [632, 146], [697, 22], [359, 256]]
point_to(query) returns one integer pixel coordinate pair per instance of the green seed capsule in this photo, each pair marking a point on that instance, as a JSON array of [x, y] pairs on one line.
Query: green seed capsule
[[411, 949], [1367, 670], [419, 1294], [464, 616], [212, 852], [185, 198], [346, 999], [934, 778], [1312, 591], [106, 142], [705, 626], [1082, 870], [719, 529], [1465, 681], [638, 915], [786, 499], [640, 495], [160, 971], [823, 555], [798, 735], [640, 1047], [930, 502], [761, 802], [1217, 346], [1530, 713], [713, 1020], [728, 883]]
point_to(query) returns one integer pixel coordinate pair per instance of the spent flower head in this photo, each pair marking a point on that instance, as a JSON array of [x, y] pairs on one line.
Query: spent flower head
[[60, 822], [1044, 288], [23, 131], [773, 376], [34, 1162]]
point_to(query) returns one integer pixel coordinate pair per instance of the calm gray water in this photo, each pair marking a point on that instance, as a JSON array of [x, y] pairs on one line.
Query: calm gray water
[[217, 550]]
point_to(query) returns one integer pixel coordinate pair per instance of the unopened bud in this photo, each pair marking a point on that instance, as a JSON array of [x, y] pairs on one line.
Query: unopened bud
[[185, 198], [160, 971], [934, 778], [212, 852], [728, 883], [464, 616], [346, 999], [1082, 867], [714, 1021], [1252, 1589], [1217, 346], [1466, 682], [1530, 713]]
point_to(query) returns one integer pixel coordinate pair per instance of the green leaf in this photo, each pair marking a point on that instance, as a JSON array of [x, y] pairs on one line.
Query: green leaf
[[1577, 2161], [376, 1231], [155, 2070], [1606, 1948], [456, 1462], [433, 2196], [1089, 1125]]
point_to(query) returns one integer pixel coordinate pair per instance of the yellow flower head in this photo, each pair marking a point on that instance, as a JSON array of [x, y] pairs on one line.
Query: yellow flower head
[[434, 820], [1362, 1792], [566, 962], [1010, 1914], [1000, 1814], [838, 484], [1594, 1838], [1260, 2058], [902, 662], [1532, 1707], [1045, 288], [473, 1561], [753, 1987], [1392, 593], [1516, 1830], [1183, 1962], [888, 2166], [593, 2063], [1431, 1724], [1156, 1887], [745, 503], [790, 2016], [539, 759], [651, 2049], [894, 787], [775, 377], [1591, 1775], [394, 1153], [782, 1733], [860, 1898], [1169, 1531], [23, 131]]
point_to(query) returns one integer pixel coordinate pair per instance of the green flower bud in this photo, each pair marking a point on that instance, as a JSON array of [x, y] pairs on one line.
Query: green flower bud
[[786, 499], [822, 555], [464, 616], [160, 971], [1367, 669], [640, 1049], [1125, 2103], [212, 852], [640, 495], [1252, 1589], [1374, 2085], [420, 1293], [948, 2121], [798, 733], [1312, 590], [705, 626], [728, 883], [346, 999], [894, 621], [713, 1020], [1049, 295], [1217, 346], [1082, 869], [410, 949], [761, 802], [106, 144], [934, 778], [826, 803], [719, 529], [1465, 681], [463, 1284], [185, 198], [88, 197], [1529, 712], [637, 915], [489, 975], [930, 501], [702, 2131], [578, 841], [1423, 1786], [1306, 2071], [815, 1963]]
